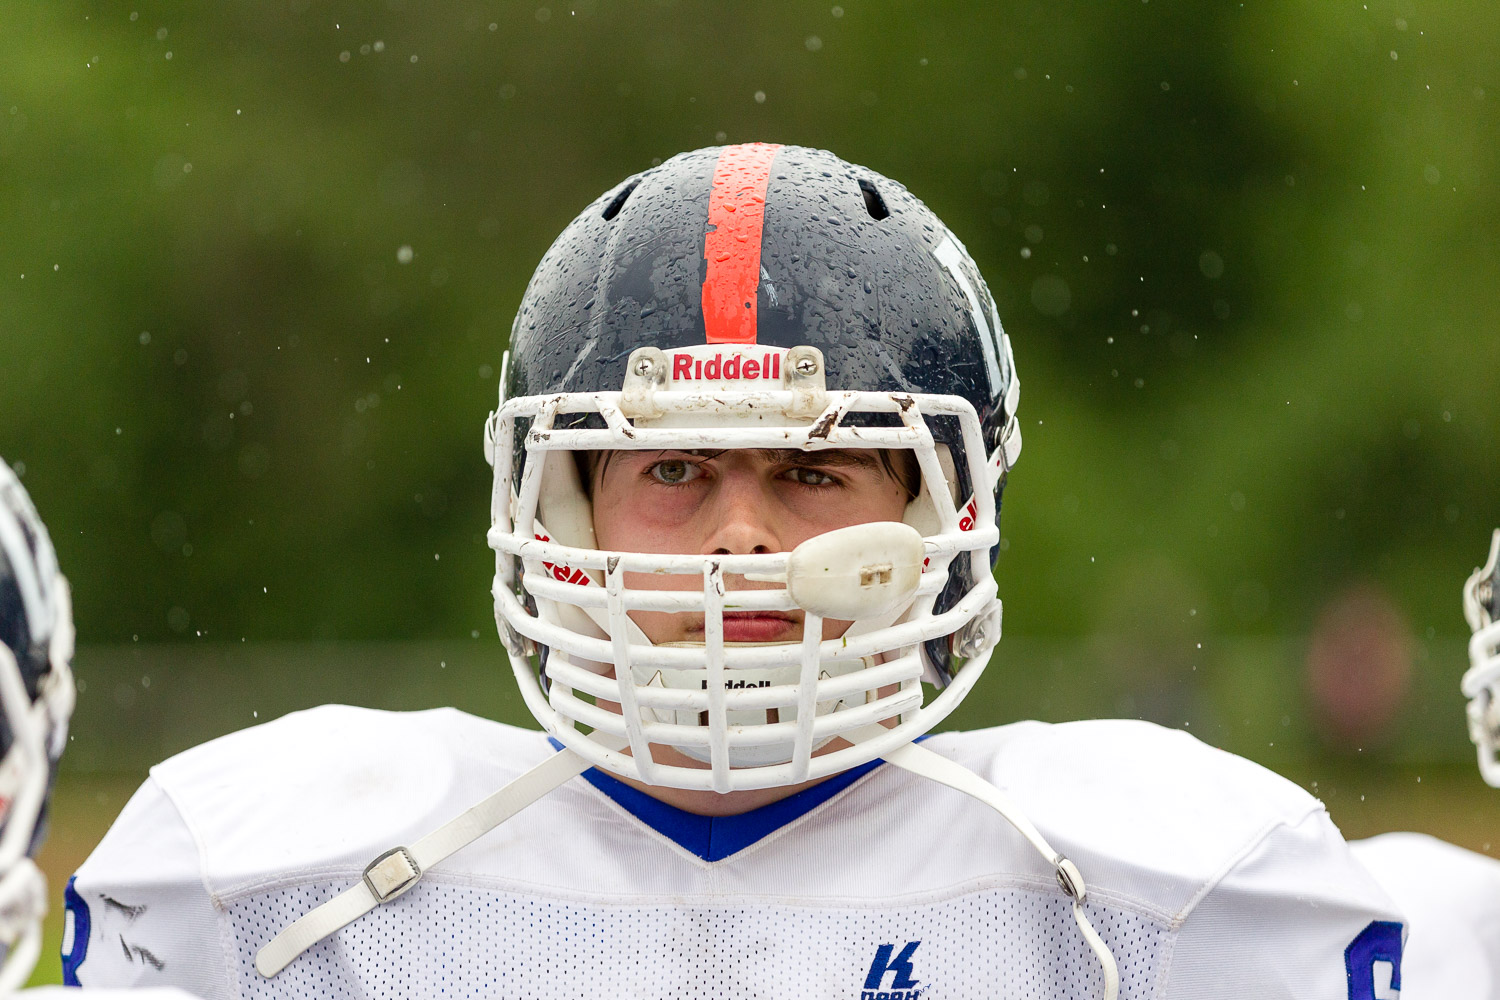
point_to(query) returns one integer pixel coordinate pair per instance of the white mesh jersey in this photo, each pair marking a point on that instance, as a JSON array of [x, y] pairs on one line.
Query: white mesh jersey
[[1452, 898], [1208, 875]]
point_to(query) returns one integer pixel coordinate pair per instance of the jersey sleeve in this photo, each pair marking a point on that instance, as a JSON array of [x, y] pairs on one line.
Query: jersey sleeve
[[1452, 897], [1294, 917], [138, 912]]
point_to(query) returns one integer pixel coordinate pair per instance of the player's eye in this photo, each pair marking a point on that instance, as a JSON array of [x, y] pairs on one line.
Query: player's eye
[[674, 471], [810, 477]]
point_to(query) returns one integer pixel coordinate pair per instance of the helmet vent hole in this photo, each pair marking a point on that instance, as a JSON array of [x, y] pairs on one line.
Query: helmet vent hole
[[618, 201], [874, 204]]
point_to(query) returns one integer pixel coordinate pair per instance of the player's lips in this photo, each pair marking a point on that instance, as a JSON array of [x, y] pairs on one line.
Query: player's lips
[[759, 626]]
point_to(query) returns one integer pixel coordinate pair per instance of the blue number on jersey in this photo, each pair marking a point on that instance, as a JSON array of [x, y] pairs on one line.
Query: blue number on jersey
[[1373, 961], [79, 911]]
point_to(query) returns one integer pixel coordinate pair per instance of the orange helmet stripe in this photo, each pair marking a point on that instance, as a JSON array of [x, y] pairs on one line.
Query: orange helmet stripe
[[731, 244]]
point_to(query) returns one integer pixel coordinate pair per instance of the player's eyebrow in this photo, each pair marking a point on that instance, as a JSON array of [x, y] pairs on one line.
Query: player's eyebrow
[[793, 456], [833, 456]]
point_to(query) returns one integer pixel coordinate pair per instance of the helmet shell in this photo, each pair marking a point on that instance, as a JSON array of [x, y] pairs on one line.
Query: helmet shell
[[837, 257], [848, 263]]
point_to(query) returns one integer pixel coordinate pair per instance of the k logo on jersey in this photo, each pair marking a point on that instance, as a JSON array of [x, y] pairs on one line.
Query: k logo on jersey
[[903, 978]]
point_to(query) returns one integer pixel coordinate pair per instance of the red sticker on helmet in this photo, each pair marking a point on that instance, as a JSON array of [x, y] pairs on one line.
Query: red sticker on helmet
[[731, 245]]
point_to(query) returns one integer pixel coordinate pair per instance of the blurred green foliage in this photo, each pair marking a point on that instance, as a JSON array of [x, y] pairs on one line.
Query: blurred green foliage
[[1242, 250]]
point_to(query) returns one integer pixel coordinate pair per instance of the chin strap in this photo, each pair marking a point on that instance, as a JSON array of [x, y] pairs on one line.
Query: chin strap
[[400, 868], [921, 761]]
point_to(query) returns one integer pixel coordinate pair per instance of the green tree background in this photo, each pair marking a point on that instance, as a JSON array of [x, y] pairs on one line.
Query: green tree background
[[259, 264]]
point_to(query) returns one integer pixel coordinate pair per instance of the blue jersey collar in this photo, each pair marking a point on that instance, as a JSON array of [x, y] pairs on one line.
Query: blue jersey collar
[[714, 838]]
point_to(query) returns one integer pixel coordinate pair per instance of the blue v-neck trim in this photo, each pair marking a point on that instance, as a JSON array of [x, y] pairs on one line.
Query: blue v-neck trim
[[714, 838]]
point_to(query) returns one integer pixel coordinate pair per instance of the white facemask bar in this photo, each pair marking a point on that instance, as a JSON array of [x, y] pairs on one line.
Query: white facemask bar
[[1481, 682], [560, 710]]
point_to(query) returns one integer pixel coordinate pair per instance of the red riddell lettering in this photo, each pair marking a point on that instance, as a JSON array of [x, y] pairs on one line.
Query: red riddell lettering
[[565, 574], [718, 368], [971, 513], [965, 523]]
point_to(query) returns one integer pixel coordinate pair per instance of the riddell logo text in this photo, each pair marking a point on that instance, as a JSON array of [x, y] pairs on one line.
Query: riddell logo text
[[971, 511], [566, 574], [685, 367], [737, 685], [965, 523]]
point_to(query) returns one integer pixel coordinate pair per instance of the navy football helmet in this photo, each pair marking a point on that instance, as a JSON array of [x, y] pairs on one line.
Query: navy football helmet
[[36, 699], [760, 297]]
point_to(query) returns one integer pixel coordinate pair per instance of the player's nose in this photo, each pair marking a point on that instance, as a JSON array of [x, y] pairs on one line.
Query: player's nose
[[739, 523]]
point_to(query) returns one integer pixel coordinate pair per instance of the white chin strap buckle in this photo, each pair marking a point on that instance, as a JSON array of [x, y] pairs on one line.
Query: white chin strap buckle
[[391, 874]]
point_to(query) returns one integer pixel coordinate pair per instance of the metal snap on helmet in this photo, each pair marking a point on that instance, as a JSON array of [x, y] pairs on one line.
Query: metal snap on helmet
[[754, 296]]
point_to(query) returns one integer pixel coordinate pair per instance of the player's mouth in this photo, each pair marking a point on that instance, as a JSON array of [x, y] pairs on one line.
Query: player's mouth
[[760, 626]]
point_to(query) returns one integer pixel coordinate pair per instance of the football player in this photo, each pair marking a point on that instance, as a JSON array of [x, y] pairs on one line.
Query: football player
[[36, 699], [756, 417], [1452, 896]]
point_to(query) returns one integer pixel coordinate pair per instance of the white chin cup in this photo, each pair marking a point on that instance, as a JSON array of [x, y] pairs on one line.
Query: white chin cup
[[748, 678]]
